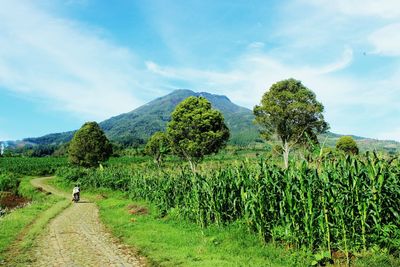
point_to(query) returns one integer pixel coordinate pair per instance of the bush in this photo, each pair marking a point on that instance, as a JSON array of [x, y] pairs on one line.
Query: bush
[[9, 182], [347, 145], [114, 177], [71, 174]]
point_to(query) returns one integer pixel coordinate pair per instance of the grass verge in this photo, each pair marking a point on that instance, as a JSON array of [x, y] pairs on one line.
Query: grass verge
[[169, 241], [22, 226]]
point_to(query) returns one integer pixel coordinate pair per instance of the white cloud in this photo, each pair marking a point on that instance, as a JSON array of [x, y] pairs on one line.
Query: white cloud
[[70, 66], [253, 73], [341, 63], [386, 41], [380, 8]]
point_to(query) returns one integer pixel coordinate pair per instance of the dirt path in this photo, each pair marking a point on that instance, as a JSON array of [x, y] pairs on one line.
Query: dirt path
[[77, 238]]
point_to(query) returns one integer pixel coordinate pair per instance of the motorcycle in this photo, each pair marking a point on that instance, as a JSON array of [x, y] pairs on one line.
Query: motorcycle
[[76, 197]]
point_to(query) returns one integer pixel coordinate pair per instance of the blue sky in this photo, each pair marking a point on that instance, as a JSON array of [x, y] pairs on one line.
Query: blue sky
[[64, 62]]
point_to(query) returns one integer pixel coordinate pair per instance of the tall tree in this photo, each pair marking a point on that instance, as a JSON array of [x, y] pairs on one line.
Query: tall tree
[[290, 111], [89, 146], [157, 147], [196, 130]]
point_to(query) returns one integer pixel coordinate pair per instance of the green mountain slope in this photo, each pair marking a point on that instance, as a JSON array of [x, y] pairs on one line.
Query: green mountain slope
[[142, 122], [138, 125]]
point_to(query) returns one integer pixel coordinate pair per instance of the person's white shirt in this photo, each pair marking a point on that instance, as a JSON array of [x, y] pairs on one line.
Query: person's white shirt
[[75, 190]]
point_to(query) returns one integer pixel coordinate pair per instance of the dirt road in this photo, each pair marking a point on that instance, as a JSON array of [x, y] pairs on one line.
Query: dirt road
[[77, 238]]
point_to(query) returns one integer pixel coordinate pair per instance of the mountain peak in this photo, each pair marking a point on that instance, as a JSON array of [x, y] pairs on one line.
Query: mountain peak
[[188, 92], [208, 95], [182, 90]]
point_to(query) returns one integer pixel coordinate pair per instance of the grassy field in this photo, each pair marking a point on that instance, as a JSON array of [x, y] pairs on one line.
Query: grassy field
[[20, 227], [31, 166]]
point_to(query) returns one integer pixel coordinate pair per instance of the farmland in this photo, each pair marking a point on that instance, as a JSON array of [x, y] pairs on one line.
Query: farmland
[[333, 206], [13, 169], [342, 205], [31, 166]]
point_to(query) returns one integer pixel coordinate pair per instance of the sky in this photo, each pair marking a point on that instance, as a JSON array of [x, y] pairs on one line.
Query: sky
[[64, 62]]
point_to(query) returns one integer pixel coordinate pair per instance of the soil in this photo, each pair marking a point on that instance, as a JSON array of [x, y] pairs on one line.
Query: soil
[[9, 200], [137, 210], [76, 237]]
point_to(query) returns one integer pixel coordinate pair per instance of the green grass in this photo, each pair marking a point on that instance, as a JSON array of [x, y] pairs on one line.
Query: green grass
[[172, 242], [20, 228]]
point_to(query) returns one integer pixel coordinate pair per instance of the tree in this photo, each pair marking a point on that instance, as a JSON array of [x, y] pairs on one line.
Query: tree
[[196, 130], [89, 146], [157, 147], [290, 112], [347, 144], [61, 151]]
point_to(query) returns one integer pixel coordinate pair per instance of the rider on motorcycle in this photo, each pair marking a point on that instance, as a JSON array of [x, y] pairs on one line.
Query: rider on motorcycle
[[76, 193]]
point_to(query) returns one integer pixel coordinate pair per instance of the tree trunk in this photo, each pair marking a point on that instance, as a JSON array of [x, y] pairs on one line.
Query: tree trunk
[[192, 166], [158, 161], [286, 150]]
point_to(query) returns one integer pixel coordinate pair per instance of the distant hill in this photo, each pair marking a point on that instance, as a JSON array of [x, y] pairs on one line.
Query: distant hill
[[136, 126], [50, 139], [363, 143]]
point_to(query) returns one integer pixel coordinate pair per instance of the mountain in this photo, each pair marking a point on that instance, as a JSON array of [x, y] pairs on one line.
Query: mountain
[[136, 126], [142, 122]]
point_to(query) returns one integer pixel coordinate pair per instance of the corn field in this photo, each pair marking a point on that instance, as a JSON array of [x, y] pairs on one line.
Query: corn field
[[347, 204], [31, 166]]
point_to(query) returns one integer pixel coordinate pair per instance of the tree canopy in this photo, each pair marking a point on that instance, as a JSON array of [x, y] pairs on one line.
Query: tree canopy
[[347, 145], [157, 147], [196, 130], [89, 146], [290, 111]]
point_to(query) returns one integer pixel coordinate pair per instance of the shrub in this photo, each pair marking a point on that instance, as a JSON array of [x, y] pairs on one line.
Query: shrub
[[9, 182], [347, 145]]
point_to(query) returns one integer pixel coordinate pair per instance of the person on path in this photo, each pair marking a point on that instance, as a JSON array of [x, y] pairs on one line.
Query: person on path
[[76, 192]]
